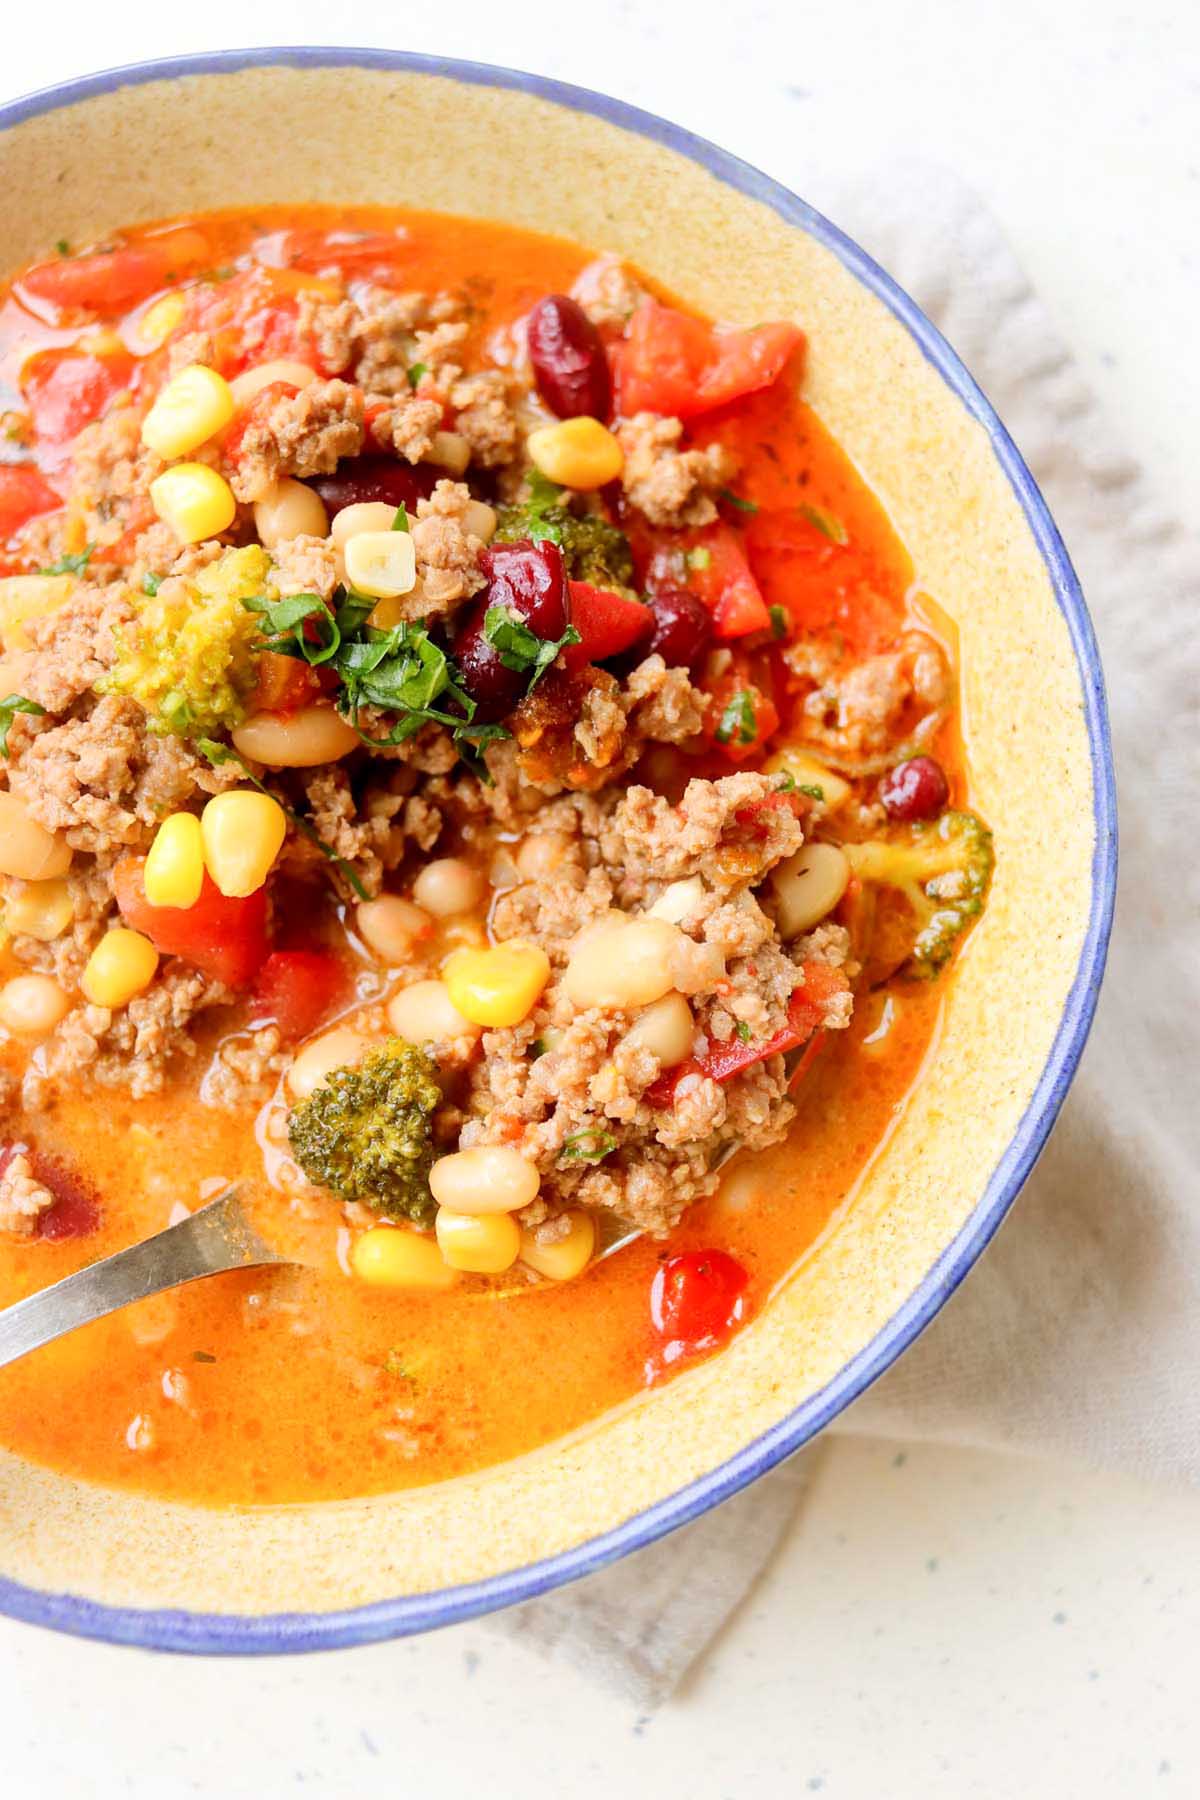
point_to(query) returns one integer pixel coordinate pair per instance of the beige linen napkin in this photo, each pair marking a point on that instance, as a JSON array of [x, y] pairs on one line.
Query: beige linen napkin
[[1079, 1332]]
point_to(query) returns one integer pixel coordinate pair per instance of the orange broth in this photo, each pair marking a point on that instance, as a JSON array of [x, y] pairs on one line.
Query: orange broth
[[303, 1384]]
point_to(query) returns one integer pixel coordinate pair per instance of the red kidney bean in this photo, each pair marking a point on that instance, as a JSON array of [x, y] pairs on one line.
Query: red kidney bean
[[916, 789], [531, 581], [682, 628], [569, 364], [373, 478]]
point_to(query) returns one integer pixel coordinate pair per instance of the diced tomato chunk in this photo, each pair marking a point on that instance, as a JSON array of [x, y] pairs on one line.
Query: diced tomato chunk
[[224, 938], [809, 1004], [712, 563], [607, 623], [740, 718], [66, 389], [673, 364], [284, 684], [696, 1301], [23, 495], [111, 281], [721, 1062], [296, 989]]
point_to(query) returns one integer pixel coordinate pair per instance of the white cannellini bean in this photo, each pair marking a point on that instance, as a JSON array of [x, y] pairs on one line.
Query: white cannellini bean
[[479, 519], [447, 886], [540, 854], [392, 927], [250, 382], [807, 887], [27, 849], [289, 510], [364, 515], [489, 1178], [425, 1014], [340, 1048], [299, 740], [32, 1005], [621, 962], [667, 1028], [678, 901]]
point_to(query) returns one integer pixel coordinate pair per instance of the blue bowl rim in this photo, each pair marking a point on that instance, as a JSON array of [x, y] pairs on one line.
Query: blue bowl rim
[[273, 1633]]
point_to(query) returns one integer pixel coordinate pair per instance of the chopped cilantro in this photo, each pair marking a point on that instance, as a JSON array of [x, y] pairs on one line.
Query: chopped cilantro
[[415, 373], [151, 585], [732, 499], [743, 1031], [63, 247], [400, 519], [813, 791], [16, 703], [203, 1356], [780, 623], [224, 753], [699, 558], [738, 724], [520, 648], [589, 1145], [826, 524], [288, 626], [70, 565]]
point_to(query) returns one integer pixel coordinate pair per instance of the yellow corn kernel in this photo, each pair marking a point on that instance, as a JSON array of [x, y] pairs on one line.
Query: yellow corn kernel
[[194, 501], [119, 968], [579, 453], [161, 319], [39, 909], [498, 986], [242, 833], [381, 564], [174, 870], [481, 1244], [389, 1256], [564, 1257], [192, 407]]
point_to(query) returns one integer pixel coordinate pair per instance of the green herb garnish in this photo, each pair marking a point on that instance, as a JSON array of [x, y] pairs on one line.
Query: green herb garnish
[[63, 247], [400, 520], [415, 373], [590, 1145], [738, 723], [151, 585], [742, 1031], [732, 499], [780, 623], [70, 565], [518, 647], [826, 524], [699, 558], [16, 703]]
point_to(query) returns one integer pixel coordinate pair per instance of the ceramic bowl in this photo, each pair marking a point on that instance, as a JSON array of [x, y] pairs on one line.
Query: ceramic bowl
[[351, 126]]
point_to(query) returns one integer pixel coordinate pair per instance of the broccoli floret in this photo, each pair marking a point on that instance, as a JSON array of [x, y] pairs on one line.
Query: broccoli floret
[[593, 550], [365, 1132], [942, 867], [189, 656]]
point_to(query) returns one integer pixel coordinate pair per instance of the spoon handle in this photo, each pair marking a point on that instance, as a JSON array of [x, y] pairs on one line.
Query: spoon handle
[[208, 1242]]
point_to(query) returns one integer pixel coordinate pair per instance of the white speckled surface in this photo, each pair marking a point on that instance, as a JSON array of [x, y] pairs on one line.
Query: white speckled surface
[[943, 1624]]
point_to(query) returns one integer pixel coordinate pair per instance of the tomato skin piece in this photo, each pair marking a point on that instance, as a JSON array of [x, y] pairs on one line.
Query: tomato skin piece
[[672, 364], [111, 281], [284, 684], [223, 938], [66, 390], [297, 989], [23, 495], [806, 1018], [607, 623], [696, 1301]]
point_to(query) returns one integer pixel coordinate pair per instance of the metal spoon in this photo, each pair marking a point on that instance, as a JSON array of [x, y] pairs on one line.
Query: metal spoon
[[211, 1241]]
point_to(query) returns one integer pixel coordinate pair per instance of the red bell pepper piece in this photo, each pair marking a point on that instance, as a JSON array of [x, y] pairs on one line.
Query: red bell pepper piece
[[223, 937], [721, 1062], [607, 623]]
